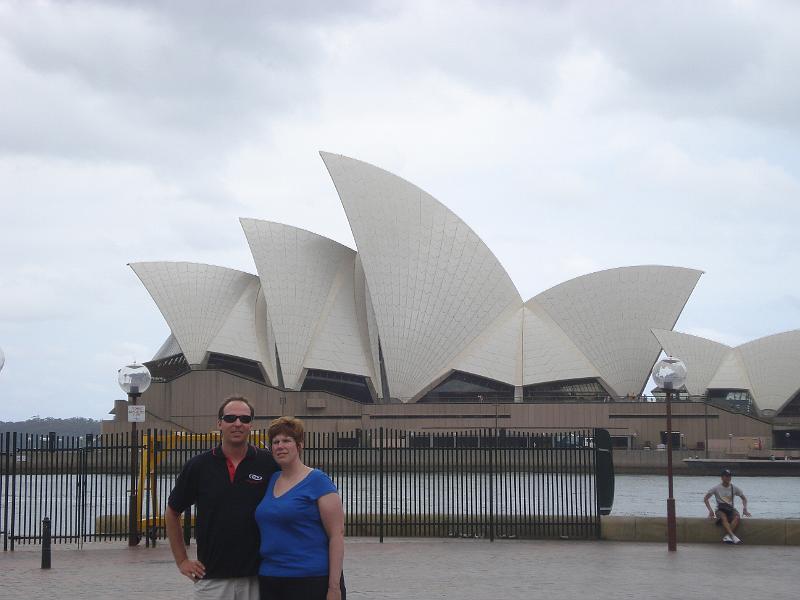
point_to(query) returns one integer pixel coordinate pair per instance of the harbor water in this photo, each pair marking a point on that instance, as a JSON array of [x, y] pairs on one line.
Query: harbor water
[[646, 495]]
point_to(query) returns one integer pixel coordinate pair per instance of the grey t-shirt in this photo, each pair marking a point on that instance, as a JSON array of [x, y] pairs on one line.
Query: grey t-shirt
[[724, 494]]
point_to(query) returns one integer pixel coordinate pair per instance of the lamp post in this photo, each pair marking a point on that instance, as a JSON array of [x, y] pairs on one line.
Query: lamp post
[[670, 374], [134, 380], [705, 423], [2, 359]]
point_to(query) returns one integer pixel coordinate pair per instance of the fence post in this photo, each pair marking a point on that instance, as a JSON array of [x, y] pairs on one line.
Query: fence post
[[492, 450], [146, 491], [46, 538], [6, 472], [134, 516], [380, 482], [82, 484], [13, 486]]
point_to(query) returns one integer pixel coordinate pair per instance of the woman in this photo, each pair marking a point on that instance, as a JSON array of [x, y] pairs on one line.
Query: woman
[[301, 523]]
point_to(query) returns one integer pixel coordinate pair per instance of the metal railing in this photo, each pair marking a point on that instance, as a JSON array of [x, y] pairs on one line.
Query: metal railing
[[484, 483]]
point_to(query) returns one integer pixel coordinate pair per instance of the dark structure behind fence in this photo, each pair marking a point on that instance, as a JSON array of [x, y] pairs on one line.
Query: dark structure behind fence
[[487, 483]]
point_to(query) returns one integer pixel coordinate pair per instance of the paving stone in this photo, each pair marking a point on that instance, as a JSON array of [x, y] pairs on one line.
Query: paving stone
[[434, 568]]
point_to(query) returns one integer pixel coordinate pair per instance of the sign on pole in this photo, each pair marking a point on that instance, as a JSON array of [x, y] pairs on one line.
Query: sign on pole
[[136, 413]]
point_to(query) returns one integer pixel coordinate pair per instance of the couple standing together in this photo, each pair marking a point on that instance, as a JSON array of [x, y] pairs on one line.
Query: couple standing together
[[267, 526]]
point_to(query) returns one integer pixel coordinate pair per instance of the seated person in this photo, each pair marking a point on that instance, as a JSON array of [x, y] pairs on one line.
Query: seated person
[[726, 514]]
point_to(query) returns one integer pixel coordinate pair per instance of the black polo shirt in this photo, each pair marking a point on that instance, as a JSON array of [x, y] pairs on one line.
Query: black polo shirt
[[226, 531]]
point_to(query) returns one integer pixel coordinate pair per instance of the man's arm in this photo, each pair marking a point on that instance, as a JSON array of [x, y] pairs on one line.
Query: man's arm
[[745, 512], [706, 498], [332, 514], [193, 569]]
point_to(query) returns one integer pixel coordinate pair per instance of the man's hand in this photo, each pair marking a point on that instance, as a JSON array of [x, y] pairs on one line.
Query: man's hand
[[746, 513], [711, 514], [193, 569]]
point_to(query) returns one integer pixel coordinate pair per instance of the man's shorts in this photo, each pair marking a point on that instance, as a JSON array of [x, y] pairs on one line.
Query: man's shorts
[[236, 588], [728, 511]]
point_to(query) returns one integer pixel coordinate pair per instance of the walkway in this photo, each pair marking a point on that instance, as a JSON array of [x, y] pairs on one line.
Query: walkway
[[429, 569]]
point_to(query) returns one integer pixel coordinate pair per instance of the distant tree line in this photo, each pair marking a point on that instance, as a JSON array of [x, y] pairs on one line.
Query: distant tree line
[[42, 426]]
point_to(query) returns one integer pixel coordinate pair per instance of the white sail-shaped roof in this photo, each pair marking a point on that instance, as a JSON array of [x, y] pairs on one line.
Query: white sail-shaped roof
[[704, 356], [435, 286], [368, 326], [338, 344], [170, 347], [549, 354], [497, 352], [429, 295], [731, 374], [266, 338], [773, 368], [238, 335], [609, 314], [767, 367], [297, 269], [195, 300]]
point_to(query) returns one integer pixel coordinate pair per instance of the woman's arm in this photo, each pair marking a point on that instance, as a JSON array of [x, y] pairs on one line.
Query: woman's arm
[[332, 514]]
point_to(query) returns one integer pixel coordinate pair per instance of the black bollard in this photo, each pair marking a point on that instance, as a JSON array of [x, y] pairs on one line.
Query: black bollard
[[46, 538]]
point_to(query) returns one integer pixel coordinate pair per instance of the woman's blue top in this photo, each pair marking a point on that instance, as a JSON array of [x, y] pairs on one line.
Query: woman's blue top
[[293, 540]]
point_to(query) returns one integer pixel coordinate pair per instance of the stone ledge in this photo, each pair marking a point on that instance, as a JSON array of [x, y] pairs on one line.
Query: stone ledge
[[693, 530]]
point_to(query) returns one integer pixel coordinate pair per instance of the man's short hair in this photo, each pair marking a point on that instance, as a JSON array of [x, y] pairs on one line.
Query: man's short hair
[[234, 398], [291, 426]]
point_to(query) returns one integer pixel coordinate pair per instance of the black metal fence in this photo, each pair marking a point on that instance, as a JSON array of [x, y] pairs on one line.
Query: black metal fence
[[486, 484]]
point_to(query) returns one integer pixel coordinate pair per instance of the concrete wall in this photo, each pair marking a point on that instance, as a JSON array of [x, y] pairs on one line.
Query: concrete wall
[[190, 402], [693, 530]]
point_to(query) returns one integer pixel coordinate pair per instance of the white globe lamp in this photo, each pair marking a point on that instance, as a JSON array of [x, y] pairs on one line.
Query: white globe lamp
[[669, 373], [134, 379]]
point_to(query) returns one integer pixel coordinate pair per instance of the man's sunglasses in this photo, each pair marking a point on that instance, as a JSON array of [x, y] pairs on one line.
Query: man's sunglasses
[[245, 419]]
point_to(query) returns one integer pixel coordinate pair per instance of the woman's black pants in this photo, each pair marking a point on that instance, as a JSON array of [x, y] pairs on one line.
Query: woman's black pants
[[296, 588]]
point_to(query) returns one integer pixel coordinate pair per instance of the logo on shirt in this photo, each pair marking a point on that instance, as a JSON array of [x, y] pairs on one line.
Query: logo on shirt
[[255, 477]]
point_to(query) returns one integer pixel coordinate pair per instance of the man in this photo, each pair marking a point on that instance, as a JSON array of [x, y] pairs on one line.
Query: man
[[726, 515], [226, 484]]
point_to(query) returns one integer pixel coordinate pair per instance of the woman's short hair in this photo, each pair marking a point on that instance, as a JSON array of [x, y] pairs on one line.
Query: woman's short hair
[[290, 426]]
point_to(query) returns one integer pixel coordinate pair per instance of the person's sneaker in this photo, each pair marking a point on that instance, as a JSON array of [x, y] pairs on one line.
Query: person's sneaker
[[736, 540], [728, 539]]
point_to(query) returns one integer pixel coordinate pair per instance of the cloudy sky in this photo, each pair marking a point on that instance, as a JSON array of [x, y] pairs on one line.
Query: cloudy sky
[[572, 136]]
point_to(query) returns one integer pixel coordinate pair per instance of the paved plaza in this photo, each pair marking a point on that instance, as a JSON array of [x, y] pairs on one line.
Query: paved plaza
[[432, 568]]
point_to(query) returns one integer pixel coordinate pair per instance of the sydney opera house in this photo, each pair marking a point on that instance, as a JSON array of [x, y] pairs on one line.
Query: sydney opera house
[[421, 327]]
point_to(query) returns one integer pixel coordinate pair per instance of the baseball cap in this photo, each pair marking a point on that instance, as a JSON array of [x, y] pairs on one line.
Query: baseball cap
[[725, 472]]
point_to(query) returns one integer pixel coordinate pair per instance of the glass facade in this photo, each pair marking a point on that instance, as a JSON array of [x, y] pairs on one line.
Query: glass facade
[[568, 390], [239, 366], [354, 387], [735, 400], [466, 387], [792, 409], [786, 439], [167, 368]]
